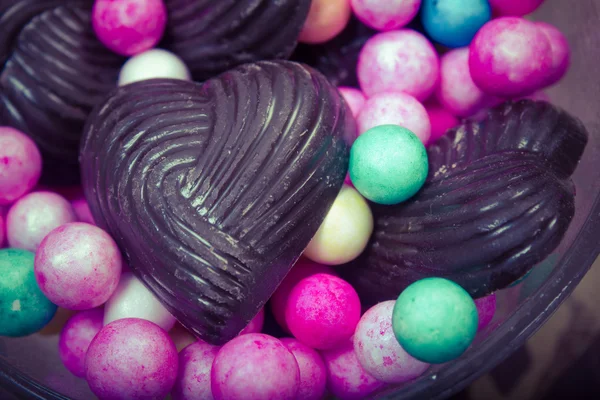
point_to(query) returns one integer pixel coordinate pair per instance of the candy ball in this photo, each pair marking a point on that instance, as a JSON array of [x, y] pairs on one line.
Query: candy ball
[[379, 352], [561, 53], [34, 216], [256, 324], [354, 97], [78, 266], [153, 64], [486, 308], [131, 299], [346, 378], [441, 120], [510, 57], [345, 231], [75, 339], [514, 7], [129, 27], [325, 20], [454, 23], [181, 337], [313, 374], [395, 108], [322, 311], [385, 15], [193, 379], [255, 367], [435, 320], [23, 307], [2, 229], [388, 164], [20, 164], [131, 359], [400, 61]]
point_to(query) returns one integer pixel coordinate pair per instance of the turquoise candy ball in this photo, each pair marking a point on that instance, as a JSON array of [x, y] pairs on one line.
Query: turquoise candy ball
[[435, 320], [388, 164], [23, 307]]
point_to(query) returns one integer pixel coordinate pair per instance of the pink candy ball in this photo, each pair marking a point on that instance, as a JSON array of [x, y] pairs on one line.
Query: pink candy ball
[[256, 324], [486, 308], [395, 108], [2, 230], [131, 359], [34, 216], [75, 338], [346, 378], [514, 7], [78, 266], [510, 57], [378, 350], [385, 15], [195, 365], [399, 61], [561, 53], [255, 367], [441, 120], [313, 374], [355, 99], [129, 27], [322, 311], [20, 164]]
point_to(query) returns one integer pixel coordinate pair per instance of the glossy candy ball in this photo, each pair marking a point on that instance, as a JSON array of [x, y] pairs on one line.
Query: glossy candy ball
[[515, 7], [345, 231], [131, 359], [355, 99], [400, 61], [322, 311], [325, 20], [75, 339], [379, 352], [561, 52], [78, 266], [193, 379], [441, 120], [129, 27], [388, 164], [454, 23], [153, 64], [486, 308], [313, 373], [385, 15], [435, 320], [23, 307], [255, 367], [256, 324], [20, 164]]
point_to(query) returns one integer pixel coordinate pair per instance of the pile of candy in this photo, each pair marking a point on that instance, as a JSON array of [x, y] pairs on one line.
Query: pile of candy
[[245, 229]]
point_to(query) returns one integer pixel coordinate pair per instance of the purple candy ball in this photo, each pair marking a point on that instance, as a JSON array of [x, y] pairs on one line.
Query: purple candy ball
[[313, 373], [75, 339], [20, 164], [486, 308], [195, 365], [256, 324]]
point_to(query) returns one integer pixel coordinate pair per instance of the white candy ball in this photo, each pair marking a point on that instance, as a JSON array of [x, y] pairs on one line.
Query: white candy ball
[[344, 233], [133, 300], [155, 63]]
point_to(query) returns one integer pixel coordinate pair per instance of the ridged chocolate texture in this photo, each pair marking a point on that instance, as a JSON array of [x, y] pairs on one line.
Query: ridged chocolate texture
[[212, 36], [53, 71], [214, 190], [497, 201]]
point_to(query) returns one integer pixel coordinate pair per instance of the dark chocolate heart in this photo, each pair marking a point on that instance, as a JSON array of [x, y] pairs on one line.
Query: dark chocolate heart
[[497, 201], [214, 190]]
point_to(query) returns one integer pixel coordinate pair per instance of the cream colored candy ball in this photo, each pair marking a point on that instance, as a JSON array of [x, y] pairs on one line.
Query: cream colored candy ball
[[344, 233], [155, 63]]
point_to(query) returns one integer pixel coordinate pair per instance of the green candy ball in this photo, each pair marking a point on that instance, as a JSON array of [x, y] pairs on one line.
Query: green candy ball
[[435, 320], [388, 164], [23, 307]]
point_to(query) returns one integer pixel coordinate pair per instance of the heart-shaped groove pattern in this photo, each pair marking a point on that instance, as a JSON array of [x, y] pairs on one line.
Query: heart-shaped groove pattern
[[497, 201], [214, 190]]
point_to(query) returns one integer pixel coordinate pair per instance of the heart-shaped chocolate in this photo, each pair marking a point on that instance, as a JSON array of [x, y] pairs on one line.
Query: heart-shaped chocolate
[[497, 201], [213, 190]]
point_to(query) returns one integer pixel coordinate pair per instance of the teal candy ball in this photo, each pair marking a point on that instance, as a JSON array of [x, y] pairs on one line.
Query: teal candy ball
[[388, 164], [435, 320], [23, 307]]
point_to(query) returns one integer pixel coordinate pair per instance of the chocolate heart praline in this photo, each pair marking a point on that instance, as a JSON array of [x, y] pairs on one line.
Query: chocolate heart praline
[[213, 190]]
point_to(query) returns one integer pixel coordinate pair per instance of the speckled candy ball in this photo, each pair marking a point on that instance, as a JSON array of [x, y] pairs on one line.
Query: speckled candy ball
[[355, 99], [75, 339], [385, 15], [129, 27], [515, 7], [255, 367], [441, 120], [561, 52], [325, 20], [402, 61], [23, 307], [388, 164], [435, 320], [131, 359], [313, 373], [193, 379], [20, 164], [153, 64], [486, 308], [322, 311], [78, 266], [256, 324], [510, 57], [379, 352]]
